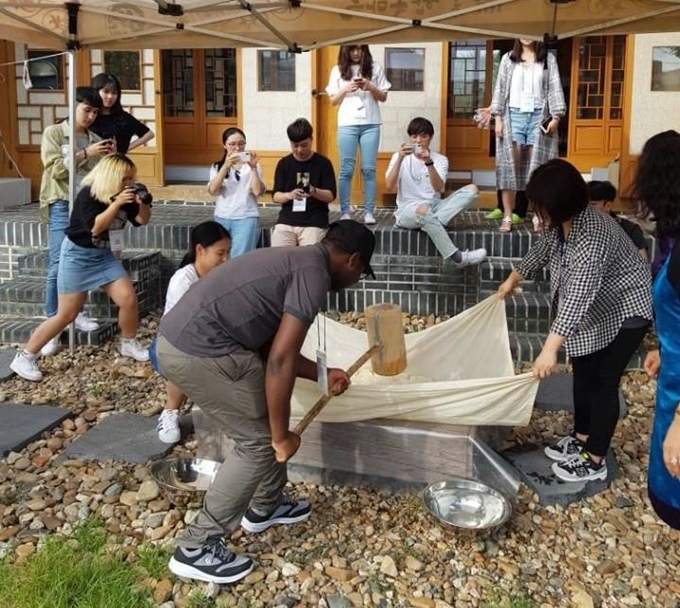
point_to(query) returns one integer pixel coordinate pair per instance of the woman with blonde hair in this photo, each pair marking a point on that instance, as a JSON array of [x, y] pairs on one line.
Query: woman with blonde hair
[[90, 255]]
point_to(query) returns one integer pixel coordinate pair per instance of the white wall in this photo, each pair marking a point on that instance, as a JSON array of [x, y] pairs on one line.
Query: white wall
[[651, 111], [266, 114]]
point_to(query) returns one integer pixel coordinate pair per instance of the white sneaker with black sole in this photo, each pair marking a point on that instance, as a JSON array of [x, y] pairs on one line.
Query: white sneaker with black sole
[[580, 468], [564, 449], [214, 562], [369, 218], [288, 512]]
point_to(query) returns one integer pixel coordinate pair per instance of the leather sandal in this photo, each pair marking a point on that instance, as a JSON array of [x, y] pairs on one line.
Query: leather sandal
[[506, 225]]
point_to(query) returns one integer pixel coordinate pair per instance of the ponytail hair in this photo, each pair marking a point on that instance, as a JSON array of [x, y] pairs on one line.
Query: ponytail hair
[[205, 234]]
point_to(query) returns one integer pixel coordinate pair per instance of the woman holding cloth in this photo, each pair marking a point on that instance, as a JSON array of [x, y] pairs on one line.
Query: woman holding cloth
[[90, 259], [601, 309], [356, 85]]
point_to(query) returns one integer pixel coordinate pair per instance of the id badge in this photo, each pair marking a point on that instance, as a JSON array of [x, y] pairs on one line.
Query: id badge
[[360, 112], [322, 371], [117, 242], [299, 204], [527, 102]]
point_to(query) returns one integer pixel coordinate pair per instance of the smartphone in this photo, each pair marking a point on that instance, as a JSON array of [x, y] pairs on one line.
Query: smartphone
[[545, 124], [417, 148], [244, 156], [357, 79], [407, 147]]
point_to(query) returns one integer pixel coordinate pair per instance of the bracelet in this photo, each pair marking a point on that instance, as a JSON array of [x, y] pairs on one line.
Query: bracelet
[[429, 163]]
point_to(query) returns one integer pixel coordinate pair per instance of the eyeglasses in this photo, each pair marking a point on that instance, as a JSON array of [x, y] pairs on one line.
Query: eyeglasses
[[365, 275]]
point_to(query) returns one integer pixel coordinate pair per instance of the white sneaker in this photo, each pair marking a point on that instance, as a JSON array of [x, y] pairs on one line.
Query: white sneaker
[[25, 366], [168, 426], [84, 323], [132, 348], [368, 218], [345, 216], [476, 256], [51, 347]]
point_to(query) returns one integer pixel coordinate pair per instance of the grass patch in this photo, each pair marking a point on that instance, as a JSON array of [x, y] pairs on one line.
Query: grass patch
[[80, 571], [498, 600], [154, 560]]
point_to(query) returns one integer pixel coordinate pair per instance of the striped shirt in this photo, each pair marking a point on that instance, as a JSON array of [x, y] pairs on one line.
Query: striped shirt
[[597, 280]]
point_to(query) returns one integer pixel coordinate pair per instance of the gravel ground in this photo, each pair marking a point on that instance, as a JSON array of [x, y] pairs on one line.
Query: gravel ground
[[361, 547]]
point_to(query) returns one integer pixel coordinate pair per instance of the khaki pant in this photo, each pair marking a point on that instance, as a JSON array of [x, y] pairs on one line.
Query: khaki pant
[[293, 236], [230, 391]]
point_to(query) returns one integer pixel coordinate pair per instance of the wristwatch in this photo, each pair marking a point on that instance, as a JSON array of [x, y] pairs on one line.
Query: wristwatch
[[429, 163]]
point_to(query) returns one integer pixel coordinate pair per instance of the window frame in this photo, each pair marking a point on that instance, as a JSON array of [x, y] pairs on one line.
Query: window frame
[[395, 82], [275, 72], [139, 65], [59, 57]]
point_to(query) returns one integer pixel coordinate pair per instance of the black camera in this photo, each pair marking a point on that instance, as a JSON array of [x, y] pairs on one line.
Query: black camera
[[143, 193]]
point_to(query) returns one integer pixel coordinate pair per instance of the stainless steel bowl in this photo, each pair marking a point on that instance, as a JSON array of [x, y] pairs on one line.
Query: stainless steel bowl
[[184, 474], [466, 503]]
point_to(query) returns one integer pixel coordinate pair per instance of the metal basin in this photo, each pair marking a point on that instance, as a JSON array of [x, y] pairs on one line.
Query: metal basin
[[466, 503], [184, 474]]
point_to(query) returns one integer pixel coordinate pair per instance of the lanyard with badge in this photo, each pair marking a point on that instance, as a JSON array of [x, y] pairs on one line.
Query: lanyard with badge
[[117, 242], [321, 358]]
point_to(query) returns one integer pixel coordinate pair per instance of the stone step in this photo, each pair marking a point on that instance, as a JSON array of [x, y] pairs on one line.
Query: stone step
[[17, 330], [495, 270]]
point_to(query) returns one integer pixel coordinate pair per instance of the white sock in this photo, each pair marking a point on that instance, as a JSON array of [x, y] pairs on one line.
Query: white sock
[[29, 355]]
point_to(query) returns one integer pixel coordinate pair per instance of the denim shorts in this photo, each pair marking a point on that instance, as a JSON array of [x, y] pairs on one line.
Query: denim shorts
[[86, 268], [525, 126], [153, 356]]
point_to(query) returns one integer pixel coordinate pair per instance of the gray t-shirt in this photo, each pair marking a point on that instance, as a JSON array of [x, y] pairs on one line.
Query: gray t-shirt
[[241, 302]]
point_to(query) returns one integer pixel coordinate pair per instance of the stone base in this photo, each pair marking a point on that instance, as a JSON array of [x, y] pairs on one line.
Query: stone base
[[534, 467], [387, 453]]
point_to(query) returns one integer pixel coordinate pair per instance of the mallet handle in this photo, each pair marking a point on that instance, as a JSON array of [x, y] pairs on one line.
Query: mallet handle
[[324, 399]]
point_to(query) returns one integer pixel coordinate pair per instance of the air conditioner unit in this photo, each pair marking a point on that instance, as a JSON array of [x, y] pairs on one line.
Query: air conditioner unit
[[14, 191]]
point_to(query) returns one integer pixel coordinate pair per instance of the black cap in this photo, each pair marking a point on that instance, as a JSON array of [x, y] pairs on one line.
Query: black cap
[[356, 238]]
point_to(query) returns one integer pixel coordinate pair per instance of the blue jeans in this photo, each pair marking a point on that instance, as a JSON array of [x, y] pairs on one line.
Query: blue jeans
[[244, 231], [58, 223], [367, 138], [435, 219]]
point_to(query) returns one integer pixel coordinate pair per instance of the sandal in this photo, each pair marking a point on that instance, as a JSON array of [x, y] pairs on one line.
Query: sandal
[[506, 225]]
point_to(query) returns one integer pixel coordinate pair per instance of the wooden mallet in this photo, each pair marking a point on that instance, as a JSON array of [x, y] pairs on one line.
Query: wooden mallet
[[386, 350]]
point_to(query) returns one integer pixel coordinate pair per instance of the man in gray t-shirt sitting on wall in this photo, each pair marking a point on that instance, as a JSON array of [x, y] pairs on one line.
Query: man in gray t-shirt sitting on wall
[[232, 344]]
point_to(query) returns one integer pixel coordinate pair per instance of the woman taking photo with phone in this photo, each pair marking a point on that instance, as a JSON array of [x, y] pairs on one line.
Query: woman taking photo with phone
[[90, 259], [113, 123], [527, 105], [356, 85], [236, 180]]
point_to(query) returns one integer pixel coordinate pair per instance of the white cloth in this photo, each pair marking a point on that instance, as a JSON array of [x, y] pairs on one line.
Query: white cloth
[[468, 358], [359, 107], [184, 278], [235, 198], [526, 84], [413, 184]]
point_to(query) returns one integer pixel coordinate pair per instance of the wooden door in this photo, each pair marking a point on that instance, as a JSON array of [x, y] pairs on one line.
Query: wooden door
[[597, 100], [200, 100]]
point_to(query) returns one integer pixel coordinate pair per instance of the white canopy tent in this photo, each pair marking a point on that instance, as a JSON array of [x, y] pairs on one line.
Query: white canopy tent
[[301, 25]]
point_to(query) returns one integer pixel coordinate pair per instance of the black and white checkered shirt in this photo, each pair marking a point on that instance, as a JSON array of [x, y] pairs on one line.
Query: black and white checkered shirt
[[597, 280]]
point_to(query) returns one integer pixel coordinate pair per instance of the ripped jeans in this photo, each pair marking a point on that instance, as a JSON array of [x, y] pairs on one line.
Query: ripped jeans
[[436, 216]]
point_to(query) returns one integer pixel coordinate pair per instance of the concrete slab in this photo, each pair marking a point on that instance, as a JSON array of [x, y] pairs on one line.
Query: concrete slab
[[22, 424], [122, 436], [6, 356], [534, 468], [556, 393]]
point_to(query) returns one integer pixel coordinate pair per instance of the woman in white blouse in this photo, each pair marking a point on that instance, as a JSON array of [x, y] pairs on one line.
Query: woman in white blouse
[[356, 85], [236, 180]]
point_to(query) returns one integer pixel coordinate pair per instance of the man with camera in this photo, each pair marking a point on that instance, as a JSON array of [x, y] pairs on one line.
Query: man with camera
[[304, 185], [418, 174]]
